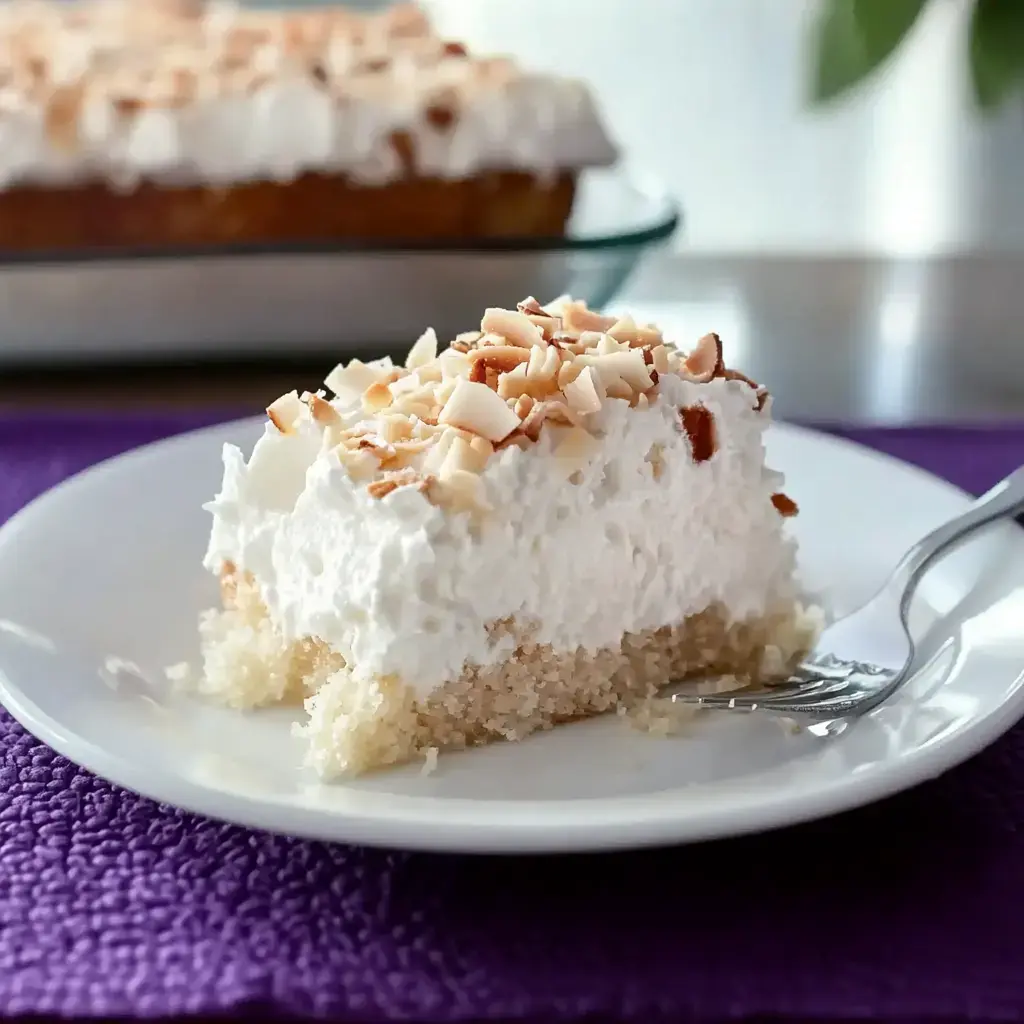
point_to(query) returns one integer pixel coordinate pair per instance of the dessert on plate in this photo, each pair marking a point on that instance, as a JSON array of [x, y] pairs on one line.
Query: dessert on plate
[[549, 518], [154, 123]]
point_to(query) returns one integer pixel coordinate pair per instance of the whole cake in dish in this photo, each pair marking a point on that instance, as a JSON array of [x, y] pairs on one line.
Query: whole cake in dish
[[550, 518], [140, 123]]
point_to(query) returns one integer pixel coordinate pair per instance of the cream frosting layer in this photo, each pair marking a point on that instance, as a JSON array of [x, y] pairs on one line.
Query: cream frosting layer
[[125, 90], [636, 536]]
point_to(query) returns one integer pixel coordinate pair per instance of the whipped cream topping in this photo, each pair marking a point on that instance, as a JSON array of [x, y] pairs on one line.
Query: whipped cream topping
[[669, 510], [124, 90]]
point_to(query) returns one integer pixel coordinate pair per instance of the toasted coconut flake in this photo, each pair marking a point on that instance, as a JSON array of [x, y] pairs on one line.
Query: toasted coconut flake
[[619, 389], [377, 397], [549, 325], [569, 371], [462, 457], [515, 376], [481, 445], [557, 412], [576, 319], [531, 426], [404, 478], [454, 364], [785, 505], [624, 329], [592, 339], [761, 394], [411, 406], [376, 445], [552, 364], [515, 383], [423, 351], [607, 344], [322, 411], [359, 464], [584, 393], [627, 366], [382, 488], [536, 362], [659, 359], [444, 391], [394, 427], [476, 408], [421, 429], [500, 358], [491, 338], [531, 305], [699, 424], [513, 326], [517, 439], [423, 411], [438, 450], [705, 361], [284, 412], [633, 334], [522, 405], [742, 377], [406, 385], [349, 381], [412, 446]]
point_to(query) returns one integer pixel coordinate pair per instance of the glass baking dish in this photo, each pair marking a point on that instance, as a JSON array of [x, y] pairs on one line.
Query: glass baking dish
[[105, 305]]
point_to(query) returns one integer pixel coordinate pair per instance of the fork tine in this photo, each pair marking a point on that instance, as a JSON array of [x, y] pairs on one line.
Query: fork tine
[[806, 698], [809, 692], [769, 696], [840, 702]]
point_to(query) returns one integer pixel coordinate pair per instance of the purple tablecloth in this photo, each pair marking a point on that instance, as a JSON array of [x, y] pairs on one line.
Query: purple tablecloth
[[113, 905]]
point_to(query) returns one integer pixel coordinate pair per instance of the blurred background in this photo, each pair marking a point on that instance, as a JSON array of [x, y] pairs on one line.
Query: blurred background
[[865, 259], [712, 96]]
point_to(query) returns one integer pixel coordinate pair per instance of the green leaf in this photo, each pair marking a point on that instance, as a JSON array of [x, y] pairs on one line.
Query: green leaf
[[996, 51], [852, 38]]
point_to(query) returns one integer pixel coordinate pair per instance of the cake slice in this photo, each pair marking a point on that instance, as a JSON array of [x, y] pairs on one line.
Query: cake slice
[[168, 123], [549, 519]]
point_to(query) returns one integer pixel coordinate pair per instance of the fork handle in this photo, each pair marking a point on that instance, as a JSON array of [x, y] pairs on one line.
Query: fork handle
[[1005, 499]]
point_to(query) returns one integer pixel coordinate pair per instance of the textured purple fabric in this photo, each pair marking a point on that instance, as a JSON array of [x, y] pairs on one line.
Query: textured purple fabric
[[111, 905]]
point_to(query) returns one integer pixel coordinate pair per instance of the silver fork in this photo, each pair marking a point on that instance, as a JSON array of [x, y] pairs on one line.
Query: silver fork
[[860, 661]]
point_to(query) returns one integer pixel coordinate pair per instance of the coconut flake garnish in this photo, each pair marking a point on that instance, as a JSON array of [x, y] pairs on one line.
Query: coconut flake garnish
[[436, 421], [475, 407]]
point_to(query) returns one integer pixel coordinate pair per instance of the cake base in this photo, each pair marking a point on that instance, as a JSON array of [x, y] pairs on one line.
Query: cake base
[[313, 209], [357, 725]]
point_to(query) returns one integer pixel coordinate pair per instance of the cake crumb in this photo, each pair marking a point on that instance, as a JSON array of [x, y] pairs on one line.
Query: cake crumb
[[661, 717], [429, 761]]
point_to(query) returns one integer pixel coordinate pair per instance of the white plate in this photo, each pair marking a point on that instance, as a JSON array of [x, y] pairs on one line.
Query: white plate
[[107, 565]]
